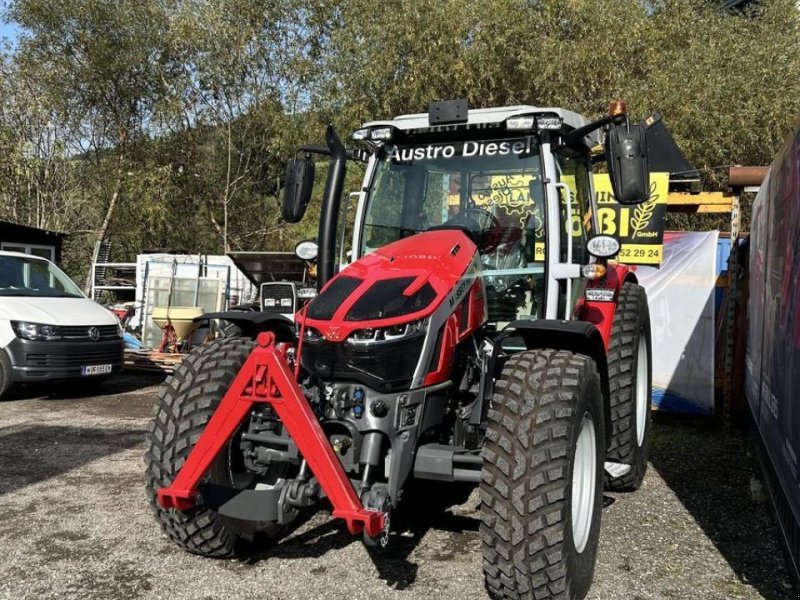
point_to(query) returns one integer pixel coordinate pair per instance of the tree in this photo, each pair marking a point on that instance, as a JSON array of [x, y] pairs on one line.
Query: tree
[[103, 65]]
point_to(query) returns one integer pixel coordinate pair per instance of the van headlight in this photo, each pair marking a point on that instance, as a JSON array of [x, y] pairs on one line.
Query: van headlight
[[382, 335], [36, 331]]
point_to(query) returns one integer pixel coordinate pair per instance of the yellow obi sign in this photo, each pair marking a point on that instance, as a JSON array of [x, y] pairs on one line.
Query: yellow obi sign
[[639, 228]]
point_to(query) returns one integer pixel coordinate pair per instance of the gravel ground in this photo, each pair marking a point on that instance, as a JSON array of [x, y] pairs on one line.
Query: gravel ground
[[74, 522]]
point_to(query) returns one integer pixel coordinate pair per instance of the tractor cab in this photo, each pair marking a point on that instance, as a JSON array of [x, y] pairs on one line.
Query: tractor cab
[[517, 179], [491, 176]]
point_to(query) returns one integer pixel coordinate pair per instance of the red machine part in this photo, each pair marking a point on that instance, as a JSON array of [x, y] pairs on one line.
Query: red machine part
[[440, 258], [470, 315], [267, 377], [600, 313]]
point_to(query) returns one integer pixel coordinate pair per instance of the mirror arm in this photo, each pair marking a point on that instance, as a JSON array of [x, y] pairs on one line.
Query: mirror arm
[[356, 154], [576, 135]]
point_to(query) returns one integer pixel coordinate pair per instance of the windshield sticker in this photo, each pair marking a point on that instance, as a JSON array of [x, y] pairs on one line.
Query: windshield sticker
[[465, 149]]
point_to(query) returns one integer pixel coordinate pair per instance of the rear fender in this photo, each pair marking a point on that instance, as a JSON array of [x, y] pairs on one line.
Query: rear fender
[[578, 337], [252, 323]]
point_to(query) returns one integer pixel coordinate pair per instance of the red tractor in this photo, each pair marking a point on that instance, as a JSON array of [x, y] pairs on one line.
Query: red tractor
[[481, 335]]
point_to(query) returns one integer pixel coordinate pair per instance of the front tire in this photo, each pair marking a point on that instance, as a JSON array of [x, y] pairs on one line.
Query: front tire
[[541, 488], [185, 405], [6, 374], [630, 386]]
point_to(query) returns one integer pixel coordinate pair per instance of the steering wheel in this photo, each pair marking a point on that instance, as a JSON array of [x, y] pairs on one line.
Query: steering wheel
[[463, 218], [483, 214]]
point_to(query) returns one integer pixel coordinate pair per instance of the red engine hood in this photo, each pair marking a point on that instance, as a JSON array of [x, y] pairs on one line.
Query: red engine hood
[[438, 259]]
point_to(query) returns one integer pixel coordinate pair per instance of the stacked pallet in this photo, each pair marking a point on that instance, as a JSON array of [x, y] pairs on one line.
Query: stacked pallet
[[152, 361]]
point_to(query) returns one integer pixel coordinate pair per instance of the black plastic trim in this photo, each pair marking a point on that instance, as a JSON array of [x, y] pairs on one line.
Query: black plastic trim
[[113, 352], [253, 322]]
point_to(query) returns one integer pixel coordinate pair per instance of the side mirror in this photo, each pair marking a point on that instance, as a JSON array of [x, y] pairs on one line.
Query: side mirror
[[628, 167], [297, 189]]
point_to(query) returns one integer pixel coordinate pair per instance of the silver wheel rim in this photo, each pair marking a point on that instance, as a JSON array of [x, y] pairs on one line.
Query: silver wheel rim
[[584, 476], [641, 391]]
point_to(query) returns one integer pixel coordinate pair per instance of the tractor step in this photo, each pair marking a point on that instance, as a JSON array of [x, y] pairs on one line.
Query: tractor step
[[447, 463]]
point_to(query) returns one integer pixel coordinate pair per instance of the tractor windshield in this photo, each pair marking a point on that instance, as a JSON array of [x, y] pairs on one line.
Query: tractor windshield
[[492, 187]]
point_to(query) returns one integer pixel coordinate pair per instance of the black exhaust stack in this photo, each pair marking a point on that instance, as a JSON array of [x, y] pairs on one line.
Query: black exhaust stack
[[331, 202]]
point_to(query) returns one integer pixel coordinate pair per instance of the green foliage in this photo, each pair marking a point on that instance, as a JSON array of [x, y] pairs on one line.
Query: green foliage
[[166, 124]]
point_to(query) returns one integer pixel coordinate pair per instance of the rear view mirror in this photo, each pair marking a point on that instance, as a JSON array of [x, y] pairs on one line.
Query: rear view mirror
[[297, 189], [628, 168]]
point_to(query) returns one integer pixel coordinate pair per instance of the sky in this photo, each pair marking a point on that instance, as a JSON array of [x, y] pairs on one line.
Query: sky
[[7, 30]]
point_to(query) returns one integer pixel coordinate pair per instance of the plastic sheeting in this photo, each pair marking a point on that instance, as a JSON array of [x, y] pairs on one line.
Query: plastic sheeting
[[681, 298]]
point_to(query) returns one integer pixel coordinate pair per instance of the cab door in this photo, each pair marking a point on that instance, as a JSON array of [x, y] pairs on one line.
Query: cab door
[[570, 222]]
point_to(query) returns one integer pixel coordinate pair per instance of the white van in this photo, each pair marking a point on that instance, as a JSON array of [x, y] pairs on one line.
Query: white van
[[48, 329]]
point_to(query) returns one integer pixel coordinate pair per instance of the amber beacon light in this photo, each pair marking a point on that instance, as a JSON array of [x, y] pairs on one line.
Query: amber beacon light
[[617, 107]]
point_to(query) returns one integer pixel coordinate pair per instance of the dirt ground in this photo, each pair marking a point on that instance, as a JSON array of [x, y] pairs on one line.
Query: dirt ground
[[74, 522]]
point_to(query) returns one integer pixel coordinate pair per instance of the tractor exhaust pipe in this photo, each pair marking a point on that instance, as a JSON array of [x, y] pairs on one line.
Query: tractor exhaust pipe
[[331, 202]]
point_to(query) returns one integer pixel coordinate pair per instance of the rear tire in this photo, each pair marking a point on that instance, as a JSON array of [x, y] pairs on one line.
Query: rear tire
[[541, 488], [630, 386], [185, 405]]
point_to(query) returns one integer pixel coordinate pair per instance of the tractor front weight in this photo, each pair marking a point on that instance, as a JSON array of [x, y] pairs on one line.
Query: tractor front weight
[[267, 377]]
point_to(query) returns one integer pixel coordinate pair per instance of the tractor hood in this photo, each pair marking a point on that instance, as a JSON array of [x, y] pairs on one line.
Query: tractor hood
[[400, 283]]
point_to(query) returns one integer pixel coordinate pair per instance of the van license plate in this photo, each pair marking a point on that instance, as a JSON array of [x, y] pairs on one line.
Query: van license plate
[[96, 370]]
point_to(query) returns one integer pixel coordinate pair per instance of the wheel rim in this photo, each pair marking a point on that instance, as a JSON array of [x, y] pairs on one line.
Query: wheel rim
[[584, 478], [641, 391]]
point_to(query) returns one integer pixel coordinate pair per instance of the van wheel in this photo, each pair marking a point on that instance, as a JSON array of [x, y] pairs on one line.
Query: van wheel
[[6, 374]]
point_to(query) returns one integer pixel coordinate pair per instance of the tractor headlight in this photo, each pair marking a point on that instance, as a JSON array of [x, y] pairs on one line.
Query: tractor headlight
[[36, 331], [306, 250], [382, 335], [312, 335]]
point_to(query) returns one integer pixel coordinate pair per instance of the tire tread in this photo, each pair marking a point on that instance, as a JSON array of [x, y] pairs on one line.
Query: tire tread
[[184, 406]]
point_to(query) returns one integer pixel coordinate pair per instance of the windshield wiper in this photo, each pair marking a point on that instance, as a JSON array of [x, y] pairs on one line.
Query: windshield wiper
[[36, 293]]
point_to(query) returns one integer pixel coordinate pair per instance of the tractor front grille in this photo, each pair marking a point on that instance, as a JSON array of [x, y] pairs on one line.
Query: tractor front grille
[[382, 367]]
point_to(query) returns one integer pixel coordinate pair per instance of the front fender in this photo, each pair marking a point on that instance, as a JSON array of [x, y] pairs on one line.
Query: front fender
[[252, 323], [579, 337], [599, 304]]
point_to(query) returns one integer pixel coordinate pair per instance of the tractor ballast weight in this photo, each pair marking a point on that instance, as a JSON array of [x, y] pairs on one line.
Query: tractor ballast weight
[[472, 340]]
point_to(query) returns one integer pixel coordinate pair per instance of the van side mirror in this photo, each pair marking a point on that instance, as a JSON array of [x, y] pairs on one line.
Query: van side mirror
[[297, 189], [628, 166]]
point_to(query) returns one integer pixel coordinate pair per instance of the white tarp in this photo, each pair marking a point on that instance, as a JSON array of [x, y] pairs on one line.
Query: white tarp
[[681, 299]]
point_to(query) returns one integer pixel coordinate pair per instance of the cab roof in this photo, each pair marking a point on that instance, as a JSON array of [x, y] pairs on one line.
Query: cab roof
[[419, 123]]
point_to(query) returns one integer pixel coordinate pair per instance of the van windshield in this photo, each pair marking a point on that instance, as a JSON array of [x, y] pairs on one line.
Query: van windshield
[[24, 276]]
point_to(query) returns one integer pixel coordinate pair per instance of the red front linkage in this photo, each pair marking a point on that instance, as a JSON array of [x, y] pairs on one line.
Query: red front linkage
[[267, 377]]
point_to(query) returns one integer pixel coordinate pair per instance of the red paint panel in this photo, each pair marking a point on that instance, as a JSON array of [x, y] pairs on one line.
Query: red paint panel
[[601, 314], [448, 341], [440, 258]]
